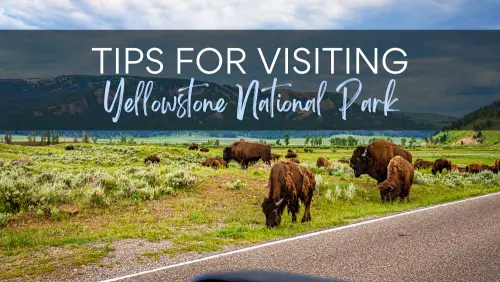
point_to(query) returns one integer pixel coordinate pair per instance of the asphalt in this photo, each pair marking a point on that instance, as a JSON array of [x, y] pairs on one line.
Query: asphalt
[[457, 242]]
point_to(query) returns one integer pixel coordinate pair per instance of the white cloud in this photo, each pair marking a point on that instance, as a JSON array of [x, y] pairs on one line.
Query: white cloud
[[174, 14]]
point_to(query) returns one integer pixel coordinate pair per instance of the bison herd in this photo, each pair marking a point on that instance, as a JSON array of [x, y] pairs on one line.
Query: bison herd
[[290, 183]]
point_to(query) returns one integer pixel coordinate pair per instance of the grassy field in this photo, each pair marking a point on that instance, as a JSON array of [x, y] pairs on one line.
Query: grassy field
[[193, 208]]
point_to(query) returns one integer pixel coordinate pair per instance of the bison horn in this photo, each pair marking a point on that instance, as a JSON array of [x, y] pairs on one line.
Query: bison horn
[[279, 202]]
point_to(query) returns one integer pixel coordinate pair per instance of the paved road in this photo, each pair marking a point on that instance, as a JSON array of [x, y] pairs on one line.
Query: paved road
[[457, 242]]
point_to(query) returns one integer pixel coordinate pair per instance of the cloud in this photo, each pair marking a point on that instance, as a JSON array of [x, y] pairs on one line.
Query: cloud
[[173, 14]]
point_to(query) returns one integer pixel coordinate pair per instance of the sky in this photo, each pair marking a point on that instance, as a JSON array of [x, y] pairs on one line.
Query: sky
[[462, 81], [255, 14]]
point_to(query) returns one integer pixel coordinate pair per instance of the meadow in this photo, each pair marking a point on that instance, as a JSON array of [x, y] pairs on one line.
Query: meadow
[[61, 211]]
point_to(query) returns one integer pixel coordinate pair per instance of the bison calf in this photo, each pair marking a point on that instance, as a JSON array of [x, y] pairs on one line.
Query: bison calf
[[400, 175], [475, 168], [288, 183], [275, 157], [421, 164]]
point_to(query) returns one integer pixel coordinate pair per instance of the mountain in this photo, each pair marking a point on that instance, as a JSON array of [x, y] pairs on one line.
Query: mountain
[[77, 102], [481, 126]]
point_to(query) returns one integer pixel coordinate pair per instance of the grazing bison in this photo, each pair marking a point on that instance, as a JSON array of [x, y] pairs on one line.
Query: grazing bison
[[288, 183], [245, 152], [400, 175], [440, 165], [295, 160], [343, 160], [275, 157], [421, 164], [69, 147], [204, 150], [476, 168], [374, 158], [462, 169], [290, 154], [323, 162], [193, 147], [152, 159]]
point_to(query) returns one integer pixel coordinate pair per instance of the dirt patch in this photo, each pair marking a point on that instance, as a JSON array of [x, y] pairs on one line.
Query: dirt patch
[[466, 141]]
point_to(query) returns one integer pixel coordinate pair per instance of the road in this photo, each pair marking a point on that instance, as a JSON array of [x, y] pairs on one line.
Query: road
[[454, 242]]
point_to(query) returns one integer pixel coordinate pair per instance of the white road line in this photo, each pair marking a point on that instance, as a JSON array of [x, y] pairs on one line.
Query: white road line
[[312, 234]]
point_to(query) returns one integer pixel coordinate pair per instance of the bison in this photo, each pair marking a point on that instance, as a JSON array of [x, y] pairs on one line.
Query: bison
[[193, 146], [476, 168], [288, 183], [152, 159], [374, 158], [275, 157], [295, 160], [290, 155], [440, 165], [204, 150], [343, 160], [69, 147], [400, 174], [245, 152], [421, 164], [493, 168], [214, 162], [497, 163], [323, 162]]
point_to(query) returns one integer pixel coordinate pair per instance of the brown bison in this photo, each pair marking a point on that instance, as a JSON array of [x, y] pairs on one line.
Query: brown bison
[[288, 183], [493, 168], [323, 162], [497, 163], [440, 165], [374, 158], [275, 157], [69, 147], [290, 155], [295, 160], [193, 146], [152, 159], [421, 164], [343, 161], [245, 152], [400, 175], [476, 168], [214, 162], [204, 150]]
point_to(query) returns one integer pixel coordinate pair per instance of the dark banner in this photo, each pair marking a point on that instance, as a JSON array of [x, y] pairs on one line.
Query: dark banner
[[246, 80]]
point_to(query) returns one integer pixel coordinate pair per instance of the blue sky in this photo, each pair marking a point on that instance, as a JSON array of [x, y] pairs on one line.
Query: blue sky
[[256, 14]]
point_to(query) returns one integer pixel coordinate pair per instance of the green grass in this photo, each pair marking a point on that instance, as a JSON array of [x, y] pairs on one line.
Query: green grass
[[209, 215]]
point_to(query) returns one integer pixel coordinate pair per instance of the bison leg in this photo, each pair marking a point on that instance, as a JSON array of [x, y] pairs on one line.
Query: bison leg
[[307, 211], [293, 208]]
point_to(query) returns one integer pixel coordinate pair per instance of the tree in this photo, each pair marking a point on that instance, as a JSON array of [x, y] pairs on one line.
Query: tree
[[412, 142], [7, 138], [287, 139], [123, 140], [403, 142], [43, 137], [320, 140], [85, 137], [278, 142], [306, 142], [55, 137], [351, 141], [94, 140], [217, 142]]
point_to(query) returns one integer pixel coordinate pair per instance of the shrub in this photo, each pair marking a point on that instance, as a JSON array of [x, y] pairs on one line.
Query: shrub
[[4, 219], [236, 185], [180, 179]]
